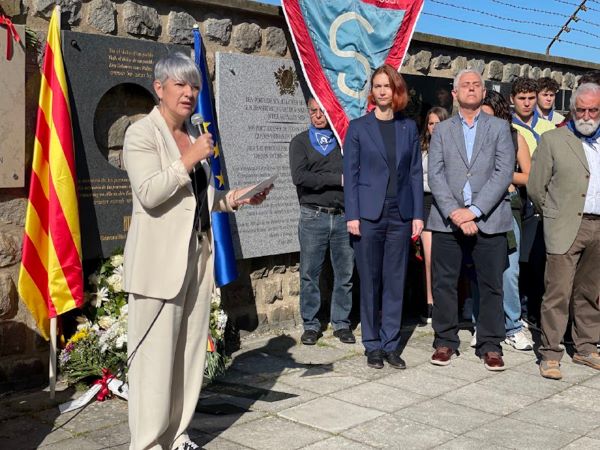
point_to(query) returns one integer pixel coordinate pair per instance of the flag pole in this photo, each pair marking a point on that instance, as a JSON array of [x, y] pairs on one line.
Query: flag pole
[[48, 286], [53, 320], [52, 365]]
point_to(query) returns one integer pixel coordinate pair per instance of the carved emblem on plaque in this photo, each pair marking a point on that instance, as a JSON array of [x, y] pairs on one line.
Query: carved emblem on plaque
[[287, 80]]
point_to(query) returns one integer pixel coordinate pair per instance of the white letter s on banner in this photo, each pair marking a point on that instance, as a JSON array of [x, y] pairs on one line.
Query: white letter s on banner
[[341, 81]]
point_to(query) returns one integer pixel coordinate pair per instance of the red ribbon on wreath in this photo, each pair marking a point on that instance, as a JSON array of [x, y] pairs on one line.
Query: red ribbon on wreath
[[11, 33], [104, 392]]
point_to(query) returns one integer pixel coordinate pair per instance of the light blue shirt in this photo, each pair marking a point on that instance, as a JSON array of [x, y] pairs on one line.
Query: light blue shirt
[[469, 132]]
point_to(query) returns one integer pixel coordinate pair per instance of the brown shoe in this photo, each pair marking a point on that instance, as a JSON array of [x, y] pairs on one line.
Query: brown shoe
[[442, 356], [592, 360], [493, 361], [550, 369]]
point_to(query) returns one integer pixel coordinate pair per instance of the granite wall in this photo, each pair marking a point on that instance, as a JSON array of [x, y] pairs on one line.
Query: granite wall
[[266, 295]]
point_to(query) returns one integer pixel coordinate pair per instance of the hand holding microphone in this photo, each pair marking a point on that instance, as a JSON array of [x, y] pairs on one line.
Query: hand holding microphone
[[203, 147]]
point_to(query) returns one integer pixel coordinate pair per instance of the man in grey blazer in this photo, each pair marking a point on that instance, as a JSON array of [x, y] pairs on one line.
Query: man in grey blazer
[[564, 185], [471, 162]]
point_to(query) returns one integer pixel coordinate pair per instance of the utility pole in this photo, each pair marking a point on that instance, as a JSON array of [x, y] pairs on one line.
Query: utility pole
[[565, 27]]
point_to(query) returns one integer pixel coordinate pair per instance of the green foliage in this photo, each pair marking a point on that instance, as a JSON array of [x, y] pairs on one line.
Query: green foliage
[[86, 359], [101, 338]]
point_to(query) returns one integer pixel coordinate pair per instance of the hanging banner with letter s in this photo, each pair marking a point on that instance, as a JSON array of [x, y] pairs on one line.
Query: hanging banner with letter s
[[341, 42]]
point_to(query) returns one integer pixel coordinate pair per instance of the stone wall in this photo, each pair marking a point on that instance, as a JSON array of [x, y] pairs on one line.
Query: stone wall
[[266, 295], [444, 57]]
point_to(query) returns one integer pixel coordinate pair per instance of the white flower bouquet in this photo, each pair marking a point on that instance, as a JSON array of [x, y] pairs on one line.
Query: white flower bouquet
[[101, 338]]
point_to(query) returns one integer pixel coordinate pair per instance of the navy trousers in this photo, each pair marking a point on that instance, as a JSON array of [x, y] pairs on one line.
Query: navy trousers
[[381, 254]]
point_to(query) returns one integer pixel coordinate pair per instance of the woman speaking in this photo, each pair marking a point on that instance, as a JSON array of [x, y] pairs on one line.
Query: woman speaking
[[168, 258], [383, 193]]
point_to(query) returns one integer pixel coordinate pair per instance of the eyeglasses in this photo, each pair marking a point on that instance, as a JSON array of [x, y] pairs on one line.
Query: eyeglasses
[[582, 111], [315, 111]]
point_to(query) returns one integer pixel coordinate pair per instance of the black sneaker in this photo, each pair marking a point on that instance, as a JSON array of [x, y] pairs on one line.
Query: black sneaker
[[394, 360], [375, 359], [310, 337], [345, 336]]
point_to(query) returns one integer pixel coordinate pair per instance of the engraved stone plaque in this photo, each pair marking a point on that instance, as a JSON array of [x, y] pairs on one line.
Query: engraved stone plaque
[[12, 111], [261, 106], [110, 84]]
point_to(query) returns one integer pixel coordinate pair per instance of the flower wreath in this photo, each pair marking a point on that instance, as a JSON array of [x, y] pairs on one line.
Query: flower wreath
[[99, 346]]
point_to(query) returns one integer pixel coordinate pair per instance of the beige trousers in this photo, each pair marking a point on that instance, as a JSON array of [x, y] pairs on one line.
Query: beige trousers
[[573, 285], [166, 372]]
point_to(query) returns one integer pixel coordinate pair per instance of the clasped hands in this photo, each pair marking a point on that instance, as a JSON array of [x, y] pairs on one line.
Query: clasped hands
[[353, 227], [464, 219]]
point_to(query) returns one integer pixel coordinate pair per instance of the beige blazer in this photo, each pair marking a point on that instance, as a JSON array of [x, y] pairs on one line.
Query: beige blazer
[[156, 250], [558, 183]]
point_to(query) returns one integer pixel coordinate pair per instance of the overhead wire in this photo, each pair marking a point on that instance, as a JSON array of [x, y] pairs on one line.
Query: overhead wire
[[524, 33], [552, 13], [564, 2], [577, 4], [510, 19], [496, 16], [589, 33]]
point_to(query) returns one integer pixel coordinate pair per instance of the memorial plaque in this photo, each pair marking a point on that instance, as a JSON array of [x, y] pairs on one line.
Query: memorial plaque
[[261, 106], [12, 111], [110, 84]]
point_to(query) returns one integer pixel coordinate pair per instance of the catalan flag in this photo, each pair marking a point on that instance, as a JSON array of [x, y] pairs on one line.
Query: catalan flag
[[51, 277], [225, 265], [210, 344]]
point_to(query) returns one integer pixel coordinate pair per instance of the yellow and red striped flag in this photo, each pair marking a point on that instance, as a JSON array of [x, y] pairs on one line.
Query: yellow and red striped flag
[[51, 276], [210, 344]]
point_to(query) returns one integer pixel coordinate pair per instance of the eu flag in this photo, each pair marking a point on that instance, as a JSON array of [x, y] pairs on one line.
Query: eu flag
[[225, 266]]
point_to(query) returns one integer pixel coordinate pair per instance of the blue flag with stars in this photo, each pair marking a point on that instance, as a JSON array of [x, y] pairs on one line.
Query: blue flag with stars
[[225, 266]]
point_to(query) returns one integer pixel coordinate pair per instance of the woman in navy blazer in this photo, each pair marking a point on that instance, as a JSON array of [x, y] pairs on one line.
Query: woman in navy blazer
[[383, 192]]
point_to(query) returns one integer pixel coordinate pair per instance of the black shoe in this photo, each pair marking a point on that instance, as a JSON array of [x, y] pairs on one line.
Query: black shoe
[[394, 360], [375, 359], [345, 336], [310, 337]]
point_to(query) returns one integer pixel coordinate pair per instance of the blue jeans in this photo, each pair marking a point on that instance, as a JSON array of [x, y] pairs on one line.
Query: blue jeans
[[510, 284], [317, 231]]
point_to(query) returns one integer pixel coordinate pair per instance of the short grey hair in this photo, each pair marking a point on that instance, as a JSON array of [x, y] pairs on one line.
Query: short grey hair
[[178, 67], [464, 72], [585, 88]]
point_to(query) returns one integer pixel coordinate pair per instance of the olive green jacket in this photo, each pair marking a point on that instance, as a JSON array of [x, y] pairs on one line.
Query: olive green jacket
[[558, 183]]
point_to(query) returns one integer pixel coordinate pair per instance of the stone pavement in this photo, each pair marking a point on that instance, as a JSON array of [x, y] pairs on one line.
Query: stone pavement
[[278, 394]]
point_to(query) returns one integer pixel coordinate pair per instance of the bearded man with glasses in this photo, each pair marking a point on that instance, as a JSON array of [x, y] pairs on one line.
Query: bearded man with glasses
[[564, 185]]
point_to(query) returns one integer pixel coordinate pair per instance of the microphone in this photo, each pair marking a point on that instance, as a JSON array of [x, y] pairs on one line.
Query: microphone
[[198, 121]]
